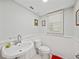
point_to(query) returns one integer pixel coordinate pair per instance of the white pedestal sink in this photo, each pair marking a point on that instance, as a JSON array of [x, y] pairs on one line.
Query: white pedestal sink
[[24, 50]]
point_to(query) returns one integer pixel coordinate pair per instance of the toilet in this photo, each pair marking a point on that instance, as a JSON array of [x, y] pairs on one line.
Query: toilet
[[42, 50]]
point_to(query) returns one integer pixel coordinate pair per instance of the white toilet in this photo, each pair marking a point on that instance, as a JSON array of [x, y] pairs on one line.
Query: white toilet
[[41, 49]]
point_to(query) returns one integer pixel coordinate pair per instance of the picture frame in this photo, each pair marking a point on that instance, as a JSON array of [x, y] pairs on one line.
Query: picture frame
[[77, 17], [43, 23], [35, 22]]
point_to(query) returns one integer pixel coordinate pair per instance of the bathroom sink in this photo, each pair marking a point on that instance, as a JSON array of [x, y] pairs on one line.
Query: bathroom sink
[[17, 50]]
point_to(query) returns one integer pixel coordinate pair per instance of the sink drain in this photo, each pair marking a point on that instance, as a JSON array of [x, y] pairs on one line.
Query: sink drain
[[20, 50], [16, 58]]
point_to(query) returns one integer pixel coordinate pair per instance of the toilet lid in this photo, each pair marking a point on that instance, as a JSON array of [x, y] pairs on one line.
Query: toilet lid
[[44, 49]]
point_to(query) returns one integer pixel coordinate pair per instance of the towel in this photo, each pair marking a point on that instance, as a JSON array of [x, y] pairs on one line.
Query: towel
[[55, 57]]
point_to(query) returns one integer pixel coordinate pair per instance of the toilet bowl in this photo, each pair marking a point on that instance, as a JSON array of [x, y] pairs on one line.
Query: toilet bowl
[[42, 50]]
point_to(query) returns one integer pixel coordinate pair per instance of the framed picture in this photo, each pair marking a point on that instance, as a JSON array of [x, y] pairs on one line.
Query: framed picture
[[77, 17], [43, 22], [35, 22]]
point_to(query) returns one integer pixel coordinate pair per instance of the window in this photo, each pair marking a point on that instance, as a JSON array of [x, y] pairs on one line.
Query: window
[[55, 23]]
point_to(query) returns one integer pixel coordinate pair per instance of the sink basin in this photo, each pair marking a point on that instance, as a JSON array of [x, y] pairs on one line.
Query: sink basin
[[18, 50]]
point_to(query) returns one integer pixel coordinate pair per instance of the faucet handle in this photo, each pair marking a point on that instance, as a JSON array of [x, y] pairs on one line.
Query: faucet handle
[[77, 56]]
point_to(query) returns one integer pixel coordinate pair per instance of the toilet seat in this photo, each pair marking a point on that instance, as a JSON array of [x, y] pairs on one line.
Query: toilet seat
[[44, 49]]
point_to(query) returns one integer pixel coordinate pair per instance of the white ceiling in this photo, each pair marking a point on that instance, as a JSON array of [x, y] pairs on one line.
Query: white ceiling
[[42, 8]]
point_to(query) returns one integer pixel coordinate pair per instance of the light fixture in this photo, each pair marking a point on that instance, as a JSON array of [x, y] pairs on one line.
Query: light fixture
[[45, 1]]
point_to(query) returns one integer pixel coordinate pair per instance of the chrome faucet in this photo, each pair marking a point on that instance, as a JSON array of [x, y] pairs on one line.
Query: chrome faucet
[[19, 37]]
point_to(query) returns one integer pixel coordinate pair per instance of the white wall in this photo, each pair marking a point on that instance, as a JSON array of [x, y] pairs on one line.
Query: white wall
[[76, 28], [68, 22], [1, 17], [15, 19]]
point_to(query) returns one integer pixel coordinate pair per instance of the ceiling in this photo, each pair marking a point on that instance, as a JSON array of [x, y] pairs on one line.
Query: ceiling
[[40, 8]]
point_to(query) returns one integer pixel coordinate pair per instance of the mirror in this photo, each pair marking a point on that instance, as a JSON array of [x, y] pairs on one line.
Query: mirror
[[77, 17]]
